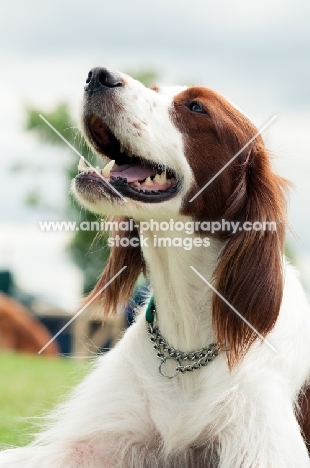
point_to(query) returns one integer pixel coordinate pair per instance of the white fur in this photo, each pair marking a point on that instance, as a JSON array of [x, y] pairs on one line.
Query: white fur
[[126, 415]]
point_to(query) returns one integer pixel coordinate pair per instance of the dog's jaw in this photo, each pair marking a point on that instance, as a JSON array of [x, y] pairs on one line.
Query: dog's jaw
[[138, 121]]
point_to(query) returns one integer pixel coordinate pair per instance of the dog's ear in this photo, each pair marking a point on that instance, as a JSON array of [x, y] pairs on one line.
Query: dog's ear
[[119, 291], [249, 273]]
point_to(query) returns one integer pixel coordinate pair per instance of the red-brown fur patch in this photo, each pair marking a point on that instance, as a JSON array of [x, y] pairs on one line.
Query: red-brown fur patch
[[119, 291], [249, 271]]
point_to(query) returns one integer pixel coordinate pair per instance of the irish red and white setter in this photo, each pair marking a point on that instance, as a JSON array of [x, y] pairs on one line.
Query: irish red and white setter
[[228, 318]]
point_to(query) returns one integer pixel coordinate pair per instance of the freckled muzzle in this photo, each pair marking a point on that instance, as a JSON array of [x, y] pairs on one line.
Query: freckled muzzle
[[132, 175]]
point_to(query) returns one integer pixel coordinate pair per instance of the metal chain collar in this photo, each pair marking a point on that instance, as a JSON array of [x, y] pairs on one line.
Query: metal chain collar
[[198, 358]]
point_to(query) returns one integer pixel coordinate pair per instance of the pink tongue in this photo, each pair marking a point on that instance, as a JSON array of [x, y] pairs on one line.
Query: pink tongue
[[133, 172]]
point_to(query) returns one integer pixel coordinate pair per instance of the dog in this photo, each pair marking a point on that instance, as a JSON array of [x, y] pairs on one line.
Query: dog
[[214, 372]]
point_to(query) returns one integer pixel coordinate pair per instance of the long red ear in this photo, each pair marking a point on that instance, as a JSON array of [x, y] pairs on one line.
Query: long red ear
[[119, 291], [249, 273]]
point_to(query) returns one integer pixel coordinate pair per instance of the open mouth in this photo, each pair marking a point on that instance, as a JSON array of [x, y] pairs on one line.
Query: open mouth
[[130, 174]]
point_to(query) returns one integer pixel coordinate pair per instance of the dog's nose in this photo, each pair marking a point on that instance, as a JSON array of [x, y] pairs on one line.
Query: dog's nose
[[99, 79]]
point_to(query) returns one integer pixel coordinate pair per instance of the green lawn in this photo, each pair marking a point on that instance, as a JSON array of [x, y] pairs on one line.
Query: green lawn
[[30, 386]]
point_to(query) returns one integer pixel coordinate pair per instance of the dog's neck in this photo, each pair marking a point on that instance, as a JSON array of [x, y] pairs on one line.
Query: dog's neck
[[183, 299]]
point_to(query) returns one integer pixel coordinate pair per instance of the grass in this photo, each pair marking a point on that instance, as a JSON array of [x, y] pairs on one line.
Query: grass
[[30, 386]]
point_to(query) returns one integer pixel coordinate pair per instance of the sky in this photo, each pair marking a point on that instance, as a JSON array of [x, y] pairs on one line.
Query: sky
[[257, 54]]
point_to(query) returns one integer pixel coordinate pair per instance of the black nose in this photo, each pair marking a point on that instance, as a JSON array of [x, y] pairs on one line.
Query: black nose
[[100, 78]]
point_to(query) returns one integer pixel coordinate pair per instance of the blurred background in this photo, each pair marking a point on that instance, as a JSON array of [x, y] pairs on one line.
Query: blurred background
[[257, 54]]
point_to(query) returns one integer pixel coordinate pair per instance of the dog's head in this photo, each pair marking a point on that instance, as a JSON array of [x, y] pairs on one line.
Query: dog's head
[[167, 144]]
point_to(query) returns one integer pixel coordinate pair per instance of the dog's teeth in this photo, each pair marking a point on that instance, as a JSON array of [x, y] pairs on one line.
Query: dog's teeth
[[173, 180], [107, 169], [82, 165], [161, 179], [148, 181], [82, 162], [136, 183]]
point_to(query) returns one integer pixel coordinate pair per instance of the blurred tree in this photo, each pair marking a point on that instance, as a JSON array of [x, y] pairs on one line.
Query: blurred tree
[[88, 253], [90, 260]]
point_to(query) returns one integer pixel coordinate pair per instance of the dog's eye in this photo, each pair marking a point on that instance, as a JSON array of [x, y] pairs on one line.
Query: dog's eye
[[196, 107]]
